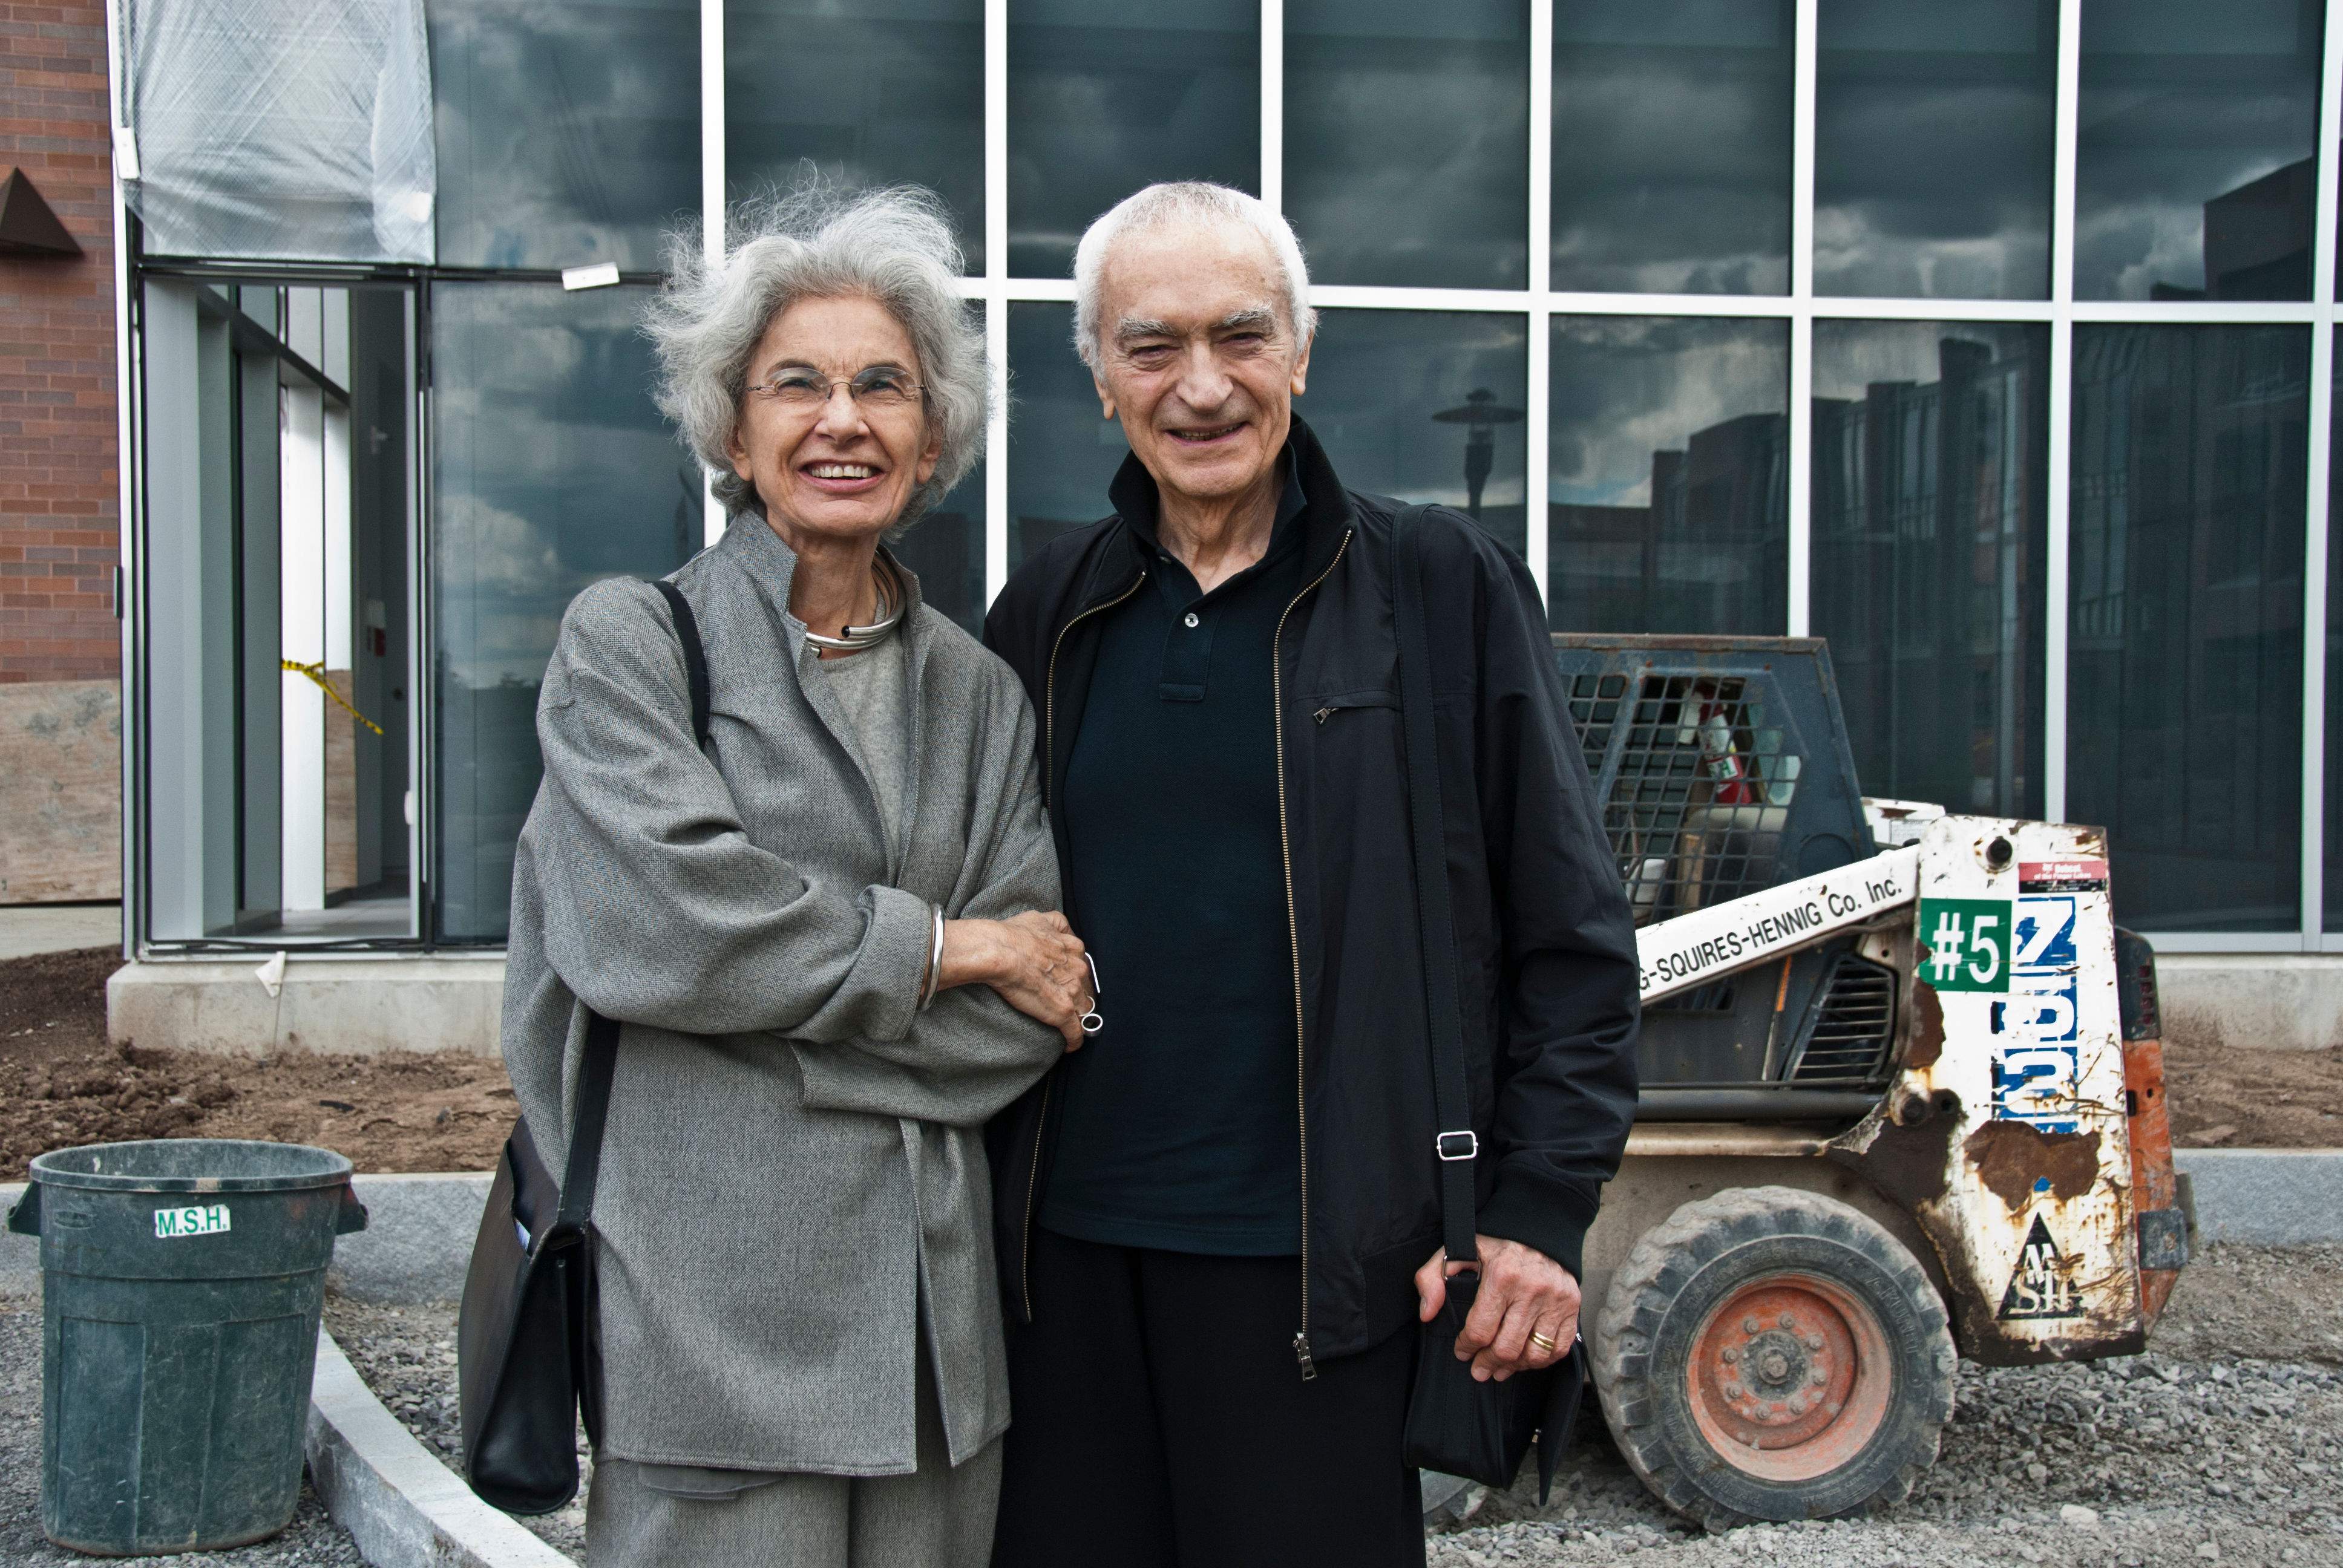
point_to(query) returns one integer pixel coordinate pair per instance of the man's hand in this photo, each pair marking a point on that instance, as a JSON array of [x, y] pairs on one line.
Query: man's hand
[[1523, 1292]]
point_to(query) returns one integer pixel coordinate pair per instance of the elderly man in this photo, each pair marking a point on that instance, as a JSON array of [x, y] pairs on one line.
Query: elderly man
[[1218, 1226]]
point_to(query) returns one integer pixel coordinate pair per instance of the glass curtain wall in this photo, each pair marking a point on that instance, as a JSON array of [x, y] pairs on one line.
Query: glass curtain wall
[[1558, 243]]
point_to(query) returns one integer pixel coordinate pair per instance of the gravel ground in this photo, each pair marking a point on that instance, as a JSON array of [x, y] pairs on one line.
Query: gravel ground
[[2195, 1453], [408, 1356], [312, 1539]]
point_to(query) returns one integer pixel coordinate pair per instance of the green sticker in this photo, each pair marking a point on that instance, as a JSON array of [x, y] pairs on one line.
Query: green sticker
[[1967, 944]]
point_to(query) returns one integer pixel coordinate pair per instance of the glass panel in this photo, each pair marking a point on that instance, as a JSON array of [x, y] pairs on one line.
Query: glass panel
[[568, 132], [883, 92], [2184, 652], [1672, 145], [1425, 405], [1929, 544], [946, 548], [2193, 170], [1062, 453], [1407, 140], [552, 470], [1668, 476], [276, 650], [1933, 124], [1108, 95]]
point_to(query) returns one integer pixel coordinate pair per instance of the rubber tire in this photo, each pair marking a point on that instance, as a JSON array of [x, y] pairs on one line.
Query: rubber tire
[[1682, 1268]]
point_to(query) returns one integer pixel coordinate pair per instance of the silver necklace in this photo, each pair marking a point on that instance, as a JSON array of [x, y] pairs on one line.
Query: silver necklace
[[892, 601]]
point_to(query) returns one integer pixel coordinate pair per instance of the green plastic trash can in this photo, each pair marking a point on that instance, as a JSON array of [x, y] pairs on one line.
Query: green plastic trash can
[[182, 1281]]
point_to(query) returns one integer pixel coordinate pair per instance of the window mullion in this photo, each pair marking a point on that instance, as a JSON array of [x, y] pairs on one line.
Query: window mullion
[[1535, 529], [996, 292], [1801, 431]]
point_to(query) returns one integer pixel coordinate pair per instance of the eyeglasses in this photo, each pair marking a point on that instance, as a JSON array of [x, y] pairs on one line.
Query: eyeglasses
[[879, 386]]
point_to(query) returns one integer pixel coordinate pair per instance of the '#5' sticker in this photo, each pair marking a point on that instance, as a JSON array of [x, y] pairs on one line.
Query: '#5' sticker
[[1968, 944]]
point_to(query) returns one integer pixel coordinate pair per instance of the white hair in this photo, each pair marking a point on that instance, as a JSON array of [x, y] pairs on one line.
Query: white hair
[[894, 245], [1186, 201]]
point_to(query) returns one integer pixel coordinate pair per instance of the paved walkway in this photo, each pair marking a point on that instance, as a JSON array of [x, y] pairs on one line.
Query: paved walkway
[[29, 928]]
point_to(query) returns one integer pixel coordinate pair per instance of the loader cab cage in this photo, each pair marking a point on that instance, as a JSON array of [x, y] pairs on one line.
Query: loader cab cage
[[1722, 768], [1722, 763]]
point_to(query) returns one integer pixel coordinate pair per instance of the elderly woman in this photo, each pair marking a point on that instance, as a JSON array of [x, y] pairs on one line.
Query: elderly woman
[[824, 934]]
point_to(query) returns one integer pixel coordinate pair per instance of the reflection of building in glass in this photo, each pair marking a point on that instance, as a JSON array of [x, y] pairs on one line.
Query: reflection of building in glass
[[1927, 561], [2257, 240], [2186, 641], [1707, 552]]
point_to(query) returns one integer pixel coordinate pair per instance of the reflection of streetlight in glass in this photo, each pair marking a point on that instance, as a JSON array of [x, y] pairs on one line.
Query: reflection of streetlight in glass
[[1481, 412]]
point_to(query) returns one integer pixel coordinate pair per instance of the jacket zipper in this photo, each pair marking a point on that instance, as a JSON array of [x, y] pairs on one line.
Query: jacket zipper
[[1049, 773], [1294, 934]]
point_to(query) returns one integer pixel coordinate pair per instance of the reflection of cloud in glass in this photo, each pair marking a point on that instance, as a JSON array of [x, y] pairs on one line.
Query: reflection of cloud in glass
[[1627, 386], [1406, 153], [1378, 376], [1668, 475], [2179, 106], [870, 92], [1108, 95], [1932, 148], [1672, 147], [566, 133], [1929, 552], [552, 468]]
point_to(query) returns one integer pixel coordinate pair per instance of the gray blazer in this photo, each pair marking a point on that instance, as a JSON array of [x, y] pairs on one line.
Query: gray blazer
[[794, 1159]]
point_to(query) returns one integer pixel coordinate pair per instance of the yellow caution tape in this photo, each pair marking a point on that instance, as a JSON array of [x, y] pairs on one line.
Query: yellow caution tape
[[317, 672]]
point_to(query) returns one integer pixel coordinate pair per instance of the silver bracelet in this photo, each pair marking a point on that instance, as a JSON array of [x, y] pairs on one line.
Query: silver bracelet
[[935, 961]]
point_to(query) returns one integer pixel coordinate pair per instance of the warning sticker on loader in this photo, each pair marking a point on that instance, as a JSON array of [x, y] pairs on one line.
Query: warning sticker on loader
[[1968, 943], [2042, 1285]]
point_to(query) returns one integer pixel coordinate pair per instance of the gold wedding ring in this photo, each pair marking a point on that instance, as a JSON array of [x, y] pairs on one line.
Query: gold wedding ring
[[1544, 1343]]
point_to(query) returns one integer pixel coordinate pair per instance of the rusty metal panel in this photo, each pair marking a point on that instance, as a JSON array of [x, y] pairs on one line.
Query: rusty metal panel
[[2005, 1130]]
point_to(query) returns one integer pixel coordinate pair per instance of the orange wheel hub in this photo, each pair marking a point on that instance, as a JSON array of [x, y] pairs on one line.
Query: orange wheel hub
[[1789, 1377]]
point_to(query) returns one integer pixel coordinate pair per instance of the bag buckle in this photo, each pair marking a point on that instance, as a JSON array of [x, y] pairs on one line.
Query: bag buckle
[[1457, 1145]]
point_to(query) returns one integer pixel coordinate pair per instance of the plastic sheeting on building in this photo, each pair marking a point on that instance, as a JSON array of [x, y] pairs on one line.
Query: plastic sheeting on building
[[281, 129]]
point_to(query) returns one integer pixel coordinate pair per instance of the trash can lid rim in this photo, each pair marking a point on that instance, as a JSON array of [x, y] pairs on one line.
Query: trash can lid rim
[[178, 1165]]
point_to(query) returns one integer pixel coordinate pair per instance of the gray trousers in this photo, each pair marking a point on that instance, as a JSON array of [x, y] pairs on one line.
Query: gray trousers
[[679, 1516]]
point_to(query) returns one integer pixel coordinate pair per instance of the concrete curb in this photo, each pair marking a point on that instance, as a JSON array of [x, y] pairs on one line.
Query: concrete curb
[[2265, 1197], [402, 1507]]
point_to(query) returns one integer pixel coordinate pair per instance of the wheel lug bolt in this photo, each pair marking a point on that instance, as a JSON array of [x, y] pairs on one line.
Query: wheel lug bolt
[[1749, 1325], [1733, 1391], [1732, 1355], [1813, 1341], [1788, 1322]]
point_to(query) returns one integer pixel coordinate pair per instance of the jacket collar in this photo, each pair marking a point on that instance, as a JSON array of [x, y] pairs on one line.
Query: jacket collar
[[1326, 521], [751, 542]]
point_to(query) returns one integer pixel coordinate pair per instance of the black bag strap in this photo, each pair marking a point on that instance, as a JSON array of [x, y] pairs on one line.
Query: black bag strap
[[1456, 1144], [695, 654], [585, 1168], [601, 1054]]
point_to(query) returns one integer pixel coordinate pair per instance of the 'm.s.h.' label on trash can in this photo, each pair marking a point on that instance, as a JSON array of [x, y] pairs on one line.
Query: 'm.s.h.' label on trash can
[[206, 1220]]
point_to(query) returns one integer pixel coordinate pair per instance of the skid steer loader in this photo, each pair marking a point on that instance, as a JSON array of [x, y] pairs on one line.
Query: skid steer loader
[[1902, 1093]]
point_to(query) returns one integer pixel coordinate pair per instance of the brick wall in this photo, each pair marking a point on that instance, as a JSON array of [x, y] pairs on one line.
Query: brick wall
[[60, 532]]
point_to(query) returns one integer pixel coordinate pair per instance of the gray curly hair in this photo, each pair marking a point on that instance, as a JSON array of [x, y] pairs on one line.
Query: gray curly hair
[[893, 245]]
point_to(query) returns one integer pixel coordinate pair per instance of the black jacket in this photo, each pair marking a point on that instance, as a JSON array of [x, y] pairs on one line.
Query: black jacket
[[1545, 944]]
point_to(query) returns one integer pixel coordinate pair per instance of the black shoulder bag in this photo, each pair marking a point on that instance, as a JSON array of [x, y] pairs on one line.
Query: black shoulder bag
[[525, 1338], [1454, 1425]]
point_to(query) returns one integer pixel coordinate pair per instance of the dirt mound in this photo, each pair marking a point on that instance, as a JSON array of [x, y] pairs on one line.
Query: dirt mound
[[61, 1084]]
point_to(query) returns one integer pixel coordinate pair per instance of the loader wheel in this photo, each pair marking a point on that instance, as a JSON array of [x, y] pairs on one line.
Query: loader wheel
[[1769, 1353]]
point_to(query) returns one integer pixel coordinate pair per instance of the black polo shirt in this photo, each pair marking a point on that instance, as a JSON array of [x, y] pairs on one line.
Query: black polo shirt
[[1180, 1127]]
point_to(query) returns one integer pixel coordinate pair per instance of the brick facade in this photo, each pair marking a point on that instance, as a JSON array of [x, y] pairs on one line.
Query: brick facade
[[60, 528]]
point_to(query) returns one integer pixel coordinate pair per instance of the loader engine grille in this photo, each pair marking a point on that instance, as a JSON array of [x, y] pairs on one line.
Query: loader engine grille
[[1701, 785], [1854, 1028]]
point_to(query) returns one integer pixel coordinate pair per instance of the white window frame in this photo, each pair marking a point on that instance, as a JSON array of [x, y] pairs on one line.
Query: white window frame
[[1538, 304]]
